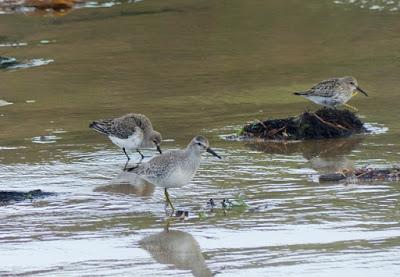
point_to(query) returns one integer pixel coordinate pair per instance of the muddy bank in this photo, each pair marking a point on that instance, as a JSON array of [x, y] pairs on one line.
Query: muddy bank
[[322, 124]]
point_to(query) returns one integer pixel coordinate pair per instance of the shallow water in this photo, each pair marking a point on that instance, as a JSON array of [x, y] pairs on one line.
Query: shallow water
[[197, 67]]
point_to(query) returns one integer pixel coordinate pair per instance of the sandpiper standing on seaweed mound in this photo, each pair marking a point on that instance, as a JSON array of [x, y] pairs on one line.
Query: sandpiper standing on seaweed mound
[[333, 92], [174, 168], [130, 132]]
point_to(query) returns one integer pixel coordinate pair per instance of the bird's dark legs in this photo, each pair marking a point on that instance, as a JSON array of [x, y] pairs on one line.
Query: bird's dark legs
[[168, 200], [141, 155], [128, 158], [126, 154]]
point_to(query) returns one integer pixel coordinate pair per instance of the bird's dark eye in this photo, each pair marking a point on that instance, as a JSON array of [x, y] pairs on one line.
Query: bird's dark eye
[[199, 143], [351, 83]]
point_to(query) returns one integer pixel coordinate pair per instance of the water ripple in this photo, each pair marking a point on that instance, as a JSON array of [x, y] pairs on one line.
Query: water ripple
[[289, 219]]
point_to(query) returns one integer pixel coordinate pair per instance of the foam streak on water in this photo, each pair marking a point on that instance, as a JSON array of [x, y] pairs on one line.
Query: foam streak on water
[[374, 5], [31, 63]]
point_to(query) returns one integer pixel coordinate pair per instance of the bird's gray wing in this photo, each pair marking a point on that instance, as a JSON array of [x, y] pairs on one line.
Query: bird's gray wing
[[158, 165], [125, 126], [121, 127], [325, 88]]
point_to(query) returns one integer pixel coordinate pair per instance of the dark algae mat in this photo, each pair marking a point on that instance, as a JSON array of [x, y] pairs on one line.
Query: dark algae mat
[[323, 124]]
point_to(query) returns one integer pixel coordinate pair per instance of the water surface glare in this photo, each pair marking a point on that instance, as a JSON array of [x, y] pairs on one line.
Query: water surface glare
[[197, 67]]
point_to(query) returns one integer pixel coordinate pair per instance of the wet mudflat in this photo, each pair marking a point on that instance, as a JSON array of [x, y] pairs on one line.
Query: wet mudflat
[[197, 67]]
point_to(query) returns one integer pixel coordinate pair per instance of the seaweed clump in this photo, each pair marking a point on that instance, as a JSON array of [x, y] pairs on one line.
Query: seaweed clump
[[365, 174], [322, 124]]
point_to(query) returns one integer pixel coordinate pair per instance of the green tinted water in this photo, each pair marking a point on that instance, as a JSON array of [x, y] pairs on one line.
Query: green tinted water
[[197, 67]]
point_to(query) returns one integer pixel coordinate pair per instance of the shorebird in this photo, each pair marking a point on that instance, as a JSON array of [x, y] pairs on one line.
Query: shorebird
[[174, 168], [333, 92], [129, 132]]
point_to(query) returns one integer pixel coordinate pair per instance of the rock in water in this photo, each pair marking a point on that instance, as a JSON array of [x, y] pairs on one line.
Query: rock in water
[[14, 196], [6, 62]]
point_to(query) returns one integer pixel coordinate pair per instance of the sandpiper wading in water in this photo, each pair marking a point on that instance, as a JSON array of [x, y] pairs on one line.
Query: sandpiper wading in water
[[176, 168], [129, 132]]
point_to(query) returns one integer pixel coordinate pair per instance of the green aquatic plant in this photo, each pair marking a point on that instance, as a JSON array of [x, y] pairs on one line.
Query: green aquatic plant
[[240, 131], [232, 207], [202, 215], [240, 202]]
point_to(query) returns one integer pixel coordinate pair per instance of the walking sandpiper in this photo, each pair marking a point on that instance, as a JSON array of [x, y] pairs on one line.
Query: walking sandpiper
[[176, 168]]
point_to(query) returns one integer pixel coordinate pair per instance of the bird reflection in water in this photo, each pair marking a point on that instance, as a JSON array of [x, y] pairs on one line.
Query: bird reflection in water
[[177, 248], [127, 183], [324, 155]]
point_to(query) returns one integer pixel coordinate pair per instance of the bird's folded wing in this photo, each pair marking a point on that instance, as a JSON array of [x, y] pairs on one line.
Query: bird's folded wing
[[325, 88]]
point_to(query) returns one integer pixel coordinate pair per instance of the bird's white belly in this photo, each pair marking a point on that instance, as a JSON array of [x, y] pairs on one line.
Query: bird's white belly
[[324, 101], [132, 142], [178, 178]]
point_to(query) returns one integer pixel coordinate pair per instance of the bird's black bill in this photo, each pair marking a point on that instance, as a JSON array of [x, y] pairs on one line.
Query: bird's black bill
[[159, 149], [209, 150], [360, 90]]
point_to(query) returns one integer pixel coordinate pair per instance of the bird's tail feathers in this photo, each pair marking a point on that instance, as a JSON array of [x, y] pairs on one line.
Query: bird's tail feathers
[[300, 93], [97, 126]]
